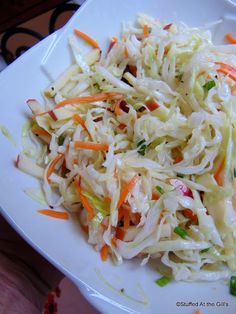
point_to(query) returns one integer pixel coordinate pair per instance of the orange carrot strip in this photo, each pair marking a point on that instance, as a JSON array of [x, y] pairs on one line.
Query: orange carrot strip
[[126, 218], [132, 69], [107, 199], [104, 252], [218, 173], [145, 31], [117, 109], [88, 99], [166, 51], [151, 104], [37, 130], [77, 118], [120, 233], [84, 228], [230, 38], [135, 218], [120, 213], [87, 38], [54, 213], [113, 241], [85, 202], [227, 70], [197, 312], [126, 52], [52, 166], [126, 190], [87, 206], [91, 146]]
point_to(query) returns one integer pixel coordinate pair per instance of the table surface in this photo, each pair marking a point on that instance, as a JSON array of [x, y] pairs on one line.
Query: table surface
[[15, 12]]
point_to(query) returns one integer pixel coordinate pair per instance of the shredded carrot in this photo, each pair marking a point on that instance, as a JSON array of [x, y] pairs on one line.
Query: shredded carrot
[[117, 108], [201, 73], [166, 50], [85, 202], [88, 99], [136, 217], [120, 233], [104, 252], [91, 146], [113, 241], [104, 227], [107, 199], [145, 31], [126, 190], [218, 174], [87, 38], [197, 312], [126, 218], [75, 162], [83, 226], [151, 104], [227, 70], [230, 38], [126, 52], [77, 118], [52, 166], [155, 196], [37, 130], [120, 213], [54, 213], [112, 43], [132, 69]]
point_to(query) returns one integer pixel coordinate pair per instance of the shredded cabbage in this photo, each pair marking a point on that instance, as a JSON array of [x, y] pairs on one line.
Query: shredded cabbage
[[140, 140]]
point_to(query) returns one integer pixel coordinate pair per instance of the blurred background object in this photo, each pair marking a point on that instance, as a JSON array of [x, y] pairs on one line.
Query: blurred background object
[[24, 23]]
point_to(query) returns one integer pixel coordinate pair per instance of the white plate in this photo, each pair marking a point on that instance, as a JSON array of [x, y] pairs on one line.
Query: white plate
[[62, 241]]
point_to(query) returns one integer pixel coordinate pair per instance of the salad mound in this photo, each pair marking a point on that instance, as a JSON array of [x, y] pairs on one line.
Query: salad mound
[[140, 141]]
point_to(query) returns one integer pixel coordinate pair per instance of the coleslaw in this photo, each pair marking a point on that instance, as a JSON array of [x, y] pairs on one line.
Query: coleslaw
[[140, 141]]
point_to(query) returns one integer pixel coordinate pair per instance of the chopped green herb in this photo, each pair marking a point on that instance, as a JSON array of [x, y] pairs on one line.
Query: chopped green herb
[[181, 232], [205, 250], [97, 86], [141, 147], [149, 30], [160, 190], [232, 285], [235, 172], [61, 139], [209, 85], [180, 175], [163, 281], [140, 142]]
